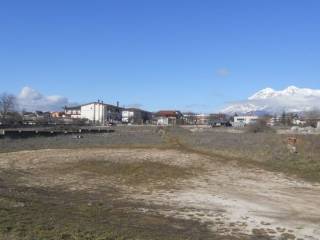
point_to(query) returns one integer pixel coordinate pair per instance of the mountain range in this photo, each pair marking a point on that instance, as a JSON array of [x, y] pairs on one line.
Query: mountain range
[[268, 100]]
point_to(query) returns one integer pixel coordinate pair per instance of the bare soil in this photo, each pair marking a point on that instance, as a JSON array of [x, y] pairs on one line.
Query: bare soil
[[150, 193]]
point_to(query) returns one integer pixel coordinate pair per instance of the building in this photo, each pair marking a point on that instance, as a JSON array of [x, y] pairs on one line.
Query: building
[[95, 112], [136, 116], [189, 118], [219, 120], [273, 121], [72, 112], [57, 114], [37, 117], [241, 121], [29, 118], [202, 119], [318, 124], [168, 117], [101, 113], [298, 122]]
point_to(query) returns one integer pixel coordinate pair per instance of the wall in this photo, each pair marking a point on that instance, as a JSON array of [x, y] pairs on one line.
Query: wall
[[127, 116], [245, 119], [95, 112], [163, 121]]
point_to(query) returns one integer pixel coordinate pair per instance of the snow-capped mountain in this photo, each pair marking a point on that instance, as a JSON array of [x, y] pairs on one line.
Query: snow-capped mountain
[[291, 99], [289, 91], [263, 94]]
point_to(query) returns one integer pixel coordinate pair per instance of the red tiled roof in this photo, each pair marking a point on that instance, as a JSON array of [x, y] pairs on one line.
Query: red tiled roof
[[167, 113]]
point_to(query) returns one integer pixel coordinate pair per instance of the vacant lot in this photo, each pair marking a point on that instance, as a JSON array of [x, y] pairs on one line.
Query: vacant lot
[[123, 136], [266, 150], [141, 183]]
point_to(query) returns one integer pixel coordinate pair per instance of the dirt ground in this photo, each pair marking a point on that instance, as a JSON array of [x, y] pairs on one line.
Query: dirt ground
[[149, 193]]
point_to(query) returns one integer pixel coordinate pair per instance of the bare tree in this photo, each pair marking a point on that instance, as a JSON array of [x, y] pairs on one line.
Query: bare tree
[[312, 117], [7, 104], [261, 125], [8, 115], [217, 117]]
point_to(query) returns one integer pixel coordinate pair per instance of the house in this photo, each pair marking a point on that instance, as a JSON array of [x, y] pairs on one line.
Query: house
[[219, 120], [241, 121], [168, 117], [189, 118], [136, 116], [37, 117], [43, 115], [29, 118], [202, 119], [95, 112], [273, 121], [72, 112], [57, 114], [298, 122], [101, 113]]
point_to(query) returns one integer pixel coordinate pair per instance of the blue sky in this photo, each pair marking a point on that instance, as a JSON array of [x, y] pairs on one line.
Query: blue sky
[[162, 54]]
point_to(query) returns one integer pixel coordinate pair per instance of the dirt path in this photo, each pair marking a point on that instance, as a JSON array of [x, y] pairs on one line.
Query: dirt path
[[247, 201], [230, 199]]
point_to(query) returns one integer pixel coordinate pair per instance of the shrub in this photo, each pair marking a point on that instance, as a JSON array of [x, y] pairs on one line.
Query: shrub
[[259, 126]]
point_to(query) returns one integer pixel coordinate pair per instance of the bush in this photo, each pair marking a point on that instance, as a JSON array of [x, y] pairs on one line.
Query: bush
[[260, 126]]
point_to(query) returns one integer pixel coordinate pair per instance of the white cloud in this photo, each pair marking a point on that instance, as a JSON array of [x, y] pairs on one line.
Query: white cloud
[[223, 72], [32, 100], [291, 99]]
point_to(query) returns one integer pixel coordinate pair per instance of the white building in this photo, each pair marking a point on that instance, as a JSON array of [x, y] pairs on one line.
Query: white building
[[73, 112], [170, 117], [273, 121], [163, 121], [318, 125], [95, 112], [239, 121], [298, 122], [99, 112], [127, 116]]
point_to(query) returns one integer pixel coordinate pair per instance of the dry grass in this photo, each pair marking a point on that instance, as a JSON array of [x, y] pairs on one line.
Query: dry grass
[[267, 150], [28, 213], [131, 173], [51, 194], [45, 213]]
